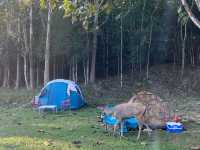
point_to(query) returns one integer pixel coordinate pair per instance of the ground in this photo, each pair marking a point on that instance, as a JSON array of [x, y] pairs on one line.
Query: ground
[[21, 127], [24, 128]]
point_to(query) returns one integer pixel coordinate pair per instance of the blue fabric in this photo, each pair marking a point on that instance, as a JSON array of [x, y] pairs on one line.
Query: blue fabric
[[57, 94], [76, 100], [131, 123], [43, 100], [110, 120]]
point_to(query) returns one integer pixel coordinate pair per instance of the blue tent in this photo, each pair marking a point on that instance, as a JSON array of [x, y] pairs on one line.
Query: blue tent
[[64, 94]]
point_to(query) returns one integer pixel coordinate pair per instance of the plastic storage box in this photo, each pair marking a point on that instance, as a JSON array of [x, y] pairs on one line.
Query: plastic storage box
[[174, 127]]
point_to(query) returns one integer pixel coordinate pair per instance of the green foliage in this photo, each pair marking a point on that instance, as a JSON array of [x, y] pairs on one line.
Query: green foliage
[[85, 11], [53, 3], [43, 3], [68, 7], [26, 2]]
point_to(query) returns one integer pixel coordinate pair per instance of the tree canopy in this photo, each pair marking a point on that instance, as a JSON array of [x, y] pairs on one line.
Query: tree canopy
[[92, 39]]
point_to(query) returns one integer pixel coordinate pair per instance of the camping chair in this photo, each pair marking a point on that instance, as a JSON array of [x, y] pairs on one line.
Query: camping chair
[[49, 107]]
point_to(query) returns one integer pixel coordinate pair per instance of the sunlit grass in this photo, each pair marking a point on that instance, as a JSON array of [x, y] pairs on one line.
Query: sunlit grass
[[33, 143], [23, 128]]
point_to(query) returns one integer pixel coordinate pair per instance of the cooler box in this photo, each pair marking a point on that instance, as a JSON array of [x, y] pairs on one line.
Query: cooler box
[[174, 127]]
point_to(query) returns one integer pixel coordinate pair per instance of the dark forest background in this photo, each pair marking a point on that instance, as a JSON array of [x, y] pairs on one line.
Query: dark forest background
[[91, 40]]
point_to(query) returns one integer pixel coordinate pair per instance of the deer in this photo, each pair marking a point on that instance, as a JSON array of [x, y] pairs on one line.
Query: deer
[[128, 110]]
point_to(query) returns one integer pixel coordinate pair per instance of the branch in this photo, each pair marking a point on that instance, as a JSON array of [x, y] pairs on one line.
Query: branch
[[189, 12], [198, 4]]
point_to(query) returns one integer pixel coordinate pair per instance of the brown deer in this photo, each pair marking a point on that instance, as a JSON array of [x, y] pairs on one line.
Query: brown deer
[[129, 110]]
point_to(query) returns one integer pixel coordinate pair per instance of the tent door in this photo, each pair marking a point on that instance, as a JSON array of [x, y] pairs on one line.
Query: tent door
[[57, 94]]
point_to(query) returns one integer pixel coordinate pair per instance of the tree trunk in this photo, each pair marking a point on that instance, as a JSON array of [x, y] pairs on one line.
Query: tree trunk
[[87, 64], [141, 30], [73, 70], [25, 56], [121, 54], [6, 77], [94, 51], [118, 65], [38, 75], [70, 71], [84, 72], [47, 49], [25, 71], [54, 68], [137, 51], [190, 14], [86, 68], [76, 73], [149, 49], [6, 61], [107, 55], [17, 82], [1, 79], [18, 75], [183, 38], [31, 48]]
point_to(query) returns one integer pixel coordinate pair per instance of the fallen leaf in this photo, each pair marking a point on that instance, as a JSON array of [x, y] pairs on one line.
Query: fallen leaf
[[76, 142], [143, 143], [40, 130], [99, 142]]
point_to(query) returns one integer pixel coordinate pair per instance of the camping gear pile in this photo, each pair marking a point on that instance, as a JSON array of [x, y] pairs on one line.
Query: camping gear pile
[[59, 93], [158, 111]]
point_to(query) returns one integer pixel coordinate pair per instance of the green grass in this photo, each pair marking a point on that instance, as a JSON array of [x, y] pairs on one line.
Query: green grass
[[24, 128], [10, 97]]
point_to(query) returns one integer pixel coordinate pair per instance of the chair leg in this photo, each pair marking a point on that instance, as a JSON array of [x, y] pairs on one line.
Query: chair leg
[[56, 109], [121, 128], [114, 130]]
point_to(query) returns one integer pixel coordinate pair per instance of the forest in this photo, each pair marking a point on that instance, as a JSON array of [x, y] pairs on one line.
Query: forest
[[92, 40]]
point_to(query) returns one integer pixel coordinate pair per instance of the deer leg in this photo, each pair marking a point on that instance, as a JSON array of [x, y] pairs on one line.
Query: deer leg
[[106, 127], [115, 127], [149, 130], [139, 132]]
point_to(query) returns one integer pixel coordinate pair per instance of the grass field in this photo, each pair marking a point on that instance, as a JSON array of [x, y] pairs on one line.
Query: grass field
[[22, 128]]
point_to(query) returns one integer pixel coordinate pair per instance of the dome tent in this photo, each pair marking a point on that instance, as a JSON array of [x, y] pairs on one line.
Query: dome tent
[[64, 94]]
